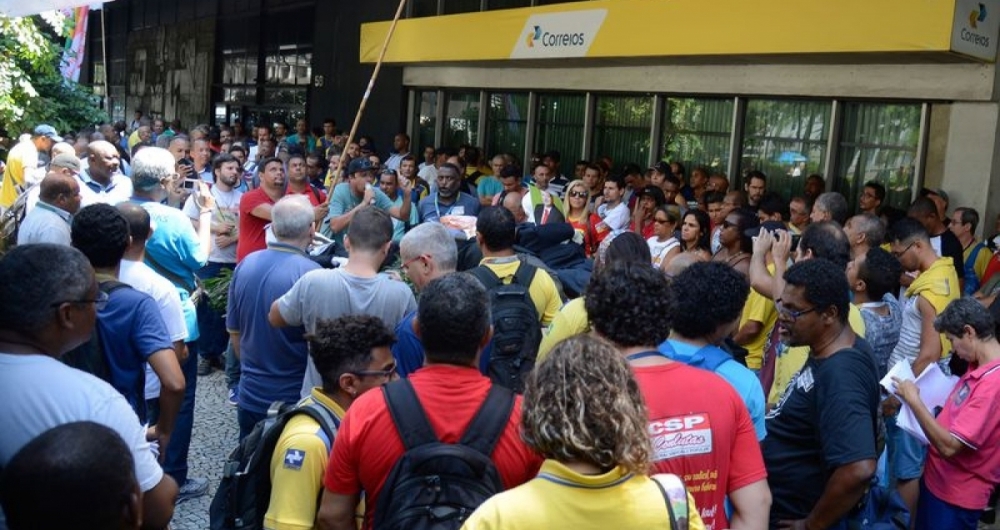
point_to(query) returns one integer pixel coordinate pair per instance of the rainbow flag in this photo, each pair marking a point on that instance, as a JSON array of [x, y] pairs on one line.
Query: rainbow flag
[[76, 40]]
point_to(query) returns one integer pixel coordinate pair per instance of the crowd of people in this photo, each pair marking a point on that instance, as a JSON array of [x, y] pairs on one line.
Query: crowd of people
[[616, 347]]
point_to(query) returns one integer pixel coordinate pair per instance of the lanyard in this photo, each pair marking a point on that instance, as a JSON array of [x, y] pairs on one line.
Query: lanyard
[[437, 207]]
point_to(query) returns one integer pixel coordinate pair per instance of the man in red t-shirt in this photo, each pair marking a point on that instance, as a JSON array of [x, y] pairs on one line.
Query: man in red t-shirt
[[255, 207], [454, 324], [700, 428]]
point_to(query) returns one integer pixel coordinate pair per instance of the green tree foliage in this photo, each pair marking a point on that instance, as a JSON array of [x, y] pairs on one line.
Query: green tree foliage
[[32, 90]]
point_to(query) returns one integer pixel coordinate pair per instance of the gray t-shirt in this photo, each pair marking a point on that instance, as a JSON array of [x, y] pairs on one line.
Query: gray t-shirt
[[327, 294]]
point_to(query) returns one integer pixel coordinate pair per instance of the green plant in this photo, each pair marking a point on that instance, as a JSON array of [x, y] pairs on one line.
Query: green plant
[[217, 290], [32, 90]]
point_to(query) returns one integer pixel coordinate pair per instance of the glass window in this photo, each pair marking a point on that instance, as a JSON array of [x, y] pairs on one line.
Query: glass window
[[423, 8], [878, 143], [506, 124], [621, 129], [786, 140], [461, 6], [507, 4], [560, 127], [461, 118], [696, 132], [424, 118]]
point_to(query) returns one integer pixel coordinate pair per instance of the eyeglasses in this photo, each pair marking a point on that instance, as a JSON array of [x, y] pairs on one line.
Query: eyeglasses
[[388, 373], [579, 194], [727, 224], [789, 313], [406, 264], [100, 301], [388, 171], [898, 255]]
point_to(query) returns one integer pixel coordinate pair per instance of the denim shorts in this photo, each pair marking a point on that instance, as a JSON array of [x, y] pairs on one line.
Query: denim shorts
[[906, 453]]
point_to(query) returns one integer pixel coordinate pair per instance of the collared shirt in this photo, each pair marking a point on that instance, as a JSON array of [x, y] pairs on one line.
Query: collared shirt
[[118, 189], [45, 224]]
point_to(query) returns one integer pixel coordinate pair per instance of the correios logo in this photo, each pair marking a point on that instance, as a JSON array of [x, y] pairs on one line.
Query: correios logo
[[973, 37], [977, 16], [562, 34], [544, 38]]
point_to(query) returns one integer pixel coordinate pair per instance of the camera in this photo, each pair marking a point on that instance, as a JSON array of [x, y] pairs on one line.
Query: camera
[[190, 184]]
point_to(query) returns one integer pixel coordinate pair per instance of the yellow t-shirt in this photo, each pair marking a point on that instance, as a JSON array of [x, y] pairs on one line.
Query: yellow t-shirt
[[297, 467], [567, 499], [542, 289], [22, 158], [571, 320], [790, 362], [758, 308]]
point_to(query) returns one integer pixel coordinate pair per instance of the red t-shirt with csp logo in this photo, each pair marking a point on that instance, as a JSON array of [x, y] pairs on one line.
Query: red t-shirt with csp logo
[[701, 431]]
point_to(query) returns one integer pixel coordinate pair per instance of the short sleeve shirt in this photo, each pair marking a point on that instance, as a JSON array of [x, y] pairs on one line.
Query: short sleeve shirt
[[826, 419], [252, 228], [343, 201], [702, 432], [368, 445]]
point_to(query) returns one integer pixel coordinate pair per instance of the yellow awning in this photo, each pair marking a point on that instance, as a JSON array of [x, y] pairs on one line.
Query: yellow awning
[[623, 29]]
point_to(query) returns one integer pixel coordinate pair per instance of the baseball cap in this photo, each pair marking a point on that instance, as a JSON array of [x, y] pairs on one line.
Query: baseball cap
[[360, 164], [49, 131], [66, 161], [662, 168], [654, 192]]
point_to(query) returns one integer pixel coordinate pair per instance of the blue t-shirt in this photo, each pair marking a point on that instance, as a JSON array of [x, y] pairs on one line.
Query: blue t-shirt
[[431, 210], [747, 384], [343, 201], [273, 359], [131, 330], [409, 351], [174, 247]]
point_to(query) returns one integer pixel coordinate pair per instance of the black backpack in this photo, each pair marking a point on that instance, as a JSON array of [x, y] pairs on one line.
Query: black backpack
[[245, 490], [516, 329], [435, 485], [91, 357], [11, 219]]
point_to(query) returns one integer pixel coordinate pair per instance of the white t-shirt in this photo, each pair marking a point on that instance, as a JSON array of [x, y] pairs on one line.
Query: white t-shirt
[[616, 218], [38, 393], [659, 249], [227, 210], [146, 280]]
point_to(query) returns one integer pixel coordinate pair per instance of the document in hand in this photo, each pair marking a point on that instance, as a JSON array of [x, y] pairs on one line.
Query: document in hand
[[935, 387]]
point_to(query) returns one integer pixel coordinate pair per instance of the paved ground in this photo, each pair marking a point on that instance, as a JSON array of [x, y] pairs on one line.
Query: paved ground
[[215, 434]]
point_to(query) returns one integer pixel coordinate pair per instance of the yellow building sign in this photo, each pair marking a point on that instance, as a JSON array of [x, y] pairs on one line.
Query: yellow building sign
[[617, 29]]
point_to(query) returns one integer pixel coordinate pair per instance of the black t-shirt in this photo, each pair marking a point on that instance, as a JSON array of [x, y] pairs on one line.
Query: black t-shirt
[[826, 419], [951, 247]]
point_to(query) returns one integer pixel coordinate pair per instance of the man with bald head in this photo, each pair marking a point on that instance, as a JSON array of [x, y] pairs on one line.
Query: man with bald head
[[512, 201], [101, 181], [49, 221]]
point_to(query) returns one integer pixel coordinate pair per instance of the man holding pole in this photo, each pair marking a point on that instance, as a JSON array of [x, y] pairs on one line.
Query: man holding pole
[[357, 192]]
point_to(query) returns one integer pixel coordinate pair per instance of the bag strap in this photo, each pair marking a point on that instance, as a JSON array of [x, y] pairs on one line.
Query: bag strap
[[486, 276], [674, 495], [714, 356], [408, 415], [490, 420], [525, 274], [111, 286], [327, 421], [170, 275]]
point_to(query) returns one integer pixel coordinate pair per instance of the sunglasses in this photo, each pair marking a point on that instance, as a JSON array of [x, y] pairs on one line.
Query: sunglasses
[[579, 194]]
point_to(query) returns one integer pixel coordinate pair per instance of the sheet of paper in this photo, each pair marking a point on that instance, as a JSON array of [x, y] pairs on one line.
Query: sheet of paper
[[902, 371], [935, 387]]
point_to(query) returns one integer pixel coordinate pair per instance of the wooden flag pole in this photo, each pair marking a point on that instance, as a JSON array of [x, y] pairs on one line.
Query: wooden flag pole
[[368, 91]]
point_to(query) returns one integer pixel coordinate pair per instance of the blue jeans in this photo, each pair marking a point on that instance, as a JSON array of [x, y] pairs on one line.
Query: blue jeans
[[175, 460], [936, 514], [248, 420], [905, 453], [211, 324]]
